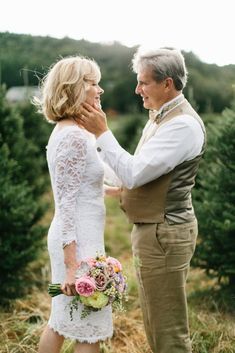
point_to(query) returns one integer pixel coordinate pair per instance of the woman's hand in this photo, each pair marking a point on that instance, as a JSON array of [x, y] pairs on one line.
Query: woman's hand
[[71, 264], [112, 190], [68, 287]]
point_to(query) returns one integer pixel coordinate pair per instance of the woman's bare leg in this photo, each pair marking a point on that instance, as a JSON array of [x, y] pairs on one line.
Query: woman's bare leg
[[50, 341], [87, 347]]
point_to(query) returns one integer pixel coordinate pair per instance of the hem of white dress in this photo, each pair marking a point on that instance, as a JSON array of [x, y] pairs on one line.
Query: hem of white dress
[[81, 339]]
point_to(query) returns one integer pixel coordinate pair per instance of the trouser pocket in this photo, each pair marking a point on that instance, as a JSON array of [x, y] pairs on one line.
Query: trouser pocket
[[178, 242]]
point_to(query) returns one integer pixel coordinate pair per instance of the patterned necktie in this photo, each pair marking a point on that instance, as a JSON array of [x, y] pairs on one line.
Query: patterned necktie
[[156, 116]]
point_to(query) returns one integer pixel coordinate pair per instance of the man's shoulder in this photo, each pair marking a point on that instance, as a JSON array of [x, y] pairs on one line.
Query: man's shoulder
[[187, 115]]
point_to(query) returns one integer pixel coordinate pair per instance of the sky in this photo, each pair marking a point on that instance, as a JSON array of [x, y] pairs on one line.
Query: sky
[[205, 27]]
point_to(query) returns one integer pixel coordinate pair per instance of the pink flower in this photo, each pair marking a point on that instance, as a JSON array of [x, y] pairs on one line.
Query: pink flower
[[115, 263], [101, 282], [85, 286], [110, 270], [89, 261]]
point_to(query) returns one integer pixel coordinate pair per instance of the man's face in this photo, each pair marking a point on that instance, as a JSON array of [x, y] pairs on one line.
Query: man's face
[[154, 94]]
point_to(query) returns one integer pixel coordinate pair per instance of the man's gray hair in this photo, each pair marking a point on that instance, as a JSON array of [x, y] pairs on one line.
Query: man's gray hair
[[164, 62]]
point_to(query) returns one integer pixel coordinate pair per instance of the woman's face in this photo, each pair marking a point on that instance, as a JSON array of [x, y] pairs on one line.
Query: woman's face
[[93, 94]]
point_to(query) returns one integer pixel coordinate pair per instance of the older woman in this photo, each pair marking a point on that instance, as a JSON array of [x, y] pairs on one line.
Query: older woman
[[76, 173]]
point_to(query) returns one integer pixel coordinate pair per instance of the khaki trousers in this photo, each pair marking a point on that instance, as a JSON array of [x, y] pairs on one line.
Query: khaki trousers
[[162, 255]]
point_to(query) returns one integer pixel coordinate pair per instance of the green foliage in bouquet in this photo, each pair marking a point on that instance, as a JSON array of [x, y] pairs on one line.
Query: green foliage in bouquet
[[99, 282], [215, 201], [20, 207]]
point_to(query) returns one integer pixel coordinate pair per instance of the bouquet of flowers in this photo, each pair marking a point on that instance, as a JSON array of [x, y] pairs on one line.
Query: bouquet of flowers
[[99, 282]]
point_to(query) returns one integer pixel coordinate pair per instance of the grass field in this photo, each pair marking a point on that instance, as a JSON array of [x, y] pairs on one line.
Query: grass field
[[211, 309]]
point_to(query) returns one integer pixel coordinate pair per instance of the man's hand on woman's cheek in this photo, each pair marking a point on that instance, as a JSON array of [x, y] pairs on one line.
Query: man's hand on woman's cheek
[[92, 119]]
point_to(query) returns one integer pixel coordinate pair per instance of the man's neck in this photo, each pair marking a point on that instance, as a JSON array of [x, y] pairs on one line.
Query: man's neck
[[172, 97], [166, 107], [170, 100]]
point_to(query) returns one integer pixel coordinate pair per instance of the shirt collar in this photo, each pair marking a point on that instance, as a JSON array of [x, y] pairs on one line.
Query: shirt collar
[[166, 107]]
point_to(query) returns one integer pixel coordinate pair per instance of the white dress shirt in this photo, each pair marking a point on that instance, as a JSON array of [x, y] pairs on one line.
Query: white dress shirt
[[174, 142]]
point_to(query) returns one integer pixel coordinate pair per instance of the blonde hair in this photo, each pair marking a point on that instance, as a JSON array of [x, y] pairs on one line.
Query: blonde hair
[[64, 87]]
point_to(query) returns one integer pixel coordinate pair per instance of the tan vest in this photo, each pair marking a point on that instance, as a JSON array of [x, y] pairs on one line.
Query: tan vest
[[169, 196]]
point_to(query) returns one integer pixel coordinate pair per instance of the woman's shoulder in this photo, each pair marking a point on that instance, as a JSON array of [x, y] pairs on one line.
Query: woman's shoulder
[[68, 132], [69, 136]]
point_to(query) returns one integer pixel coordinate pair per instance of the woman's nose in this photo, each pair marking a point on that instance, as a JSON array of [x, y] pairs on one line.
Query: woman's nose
[[101, 91]]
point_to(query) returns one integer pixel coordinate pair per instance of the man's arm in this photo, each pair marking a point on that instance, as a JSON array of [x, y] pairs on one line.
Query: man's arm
[[174, 142]]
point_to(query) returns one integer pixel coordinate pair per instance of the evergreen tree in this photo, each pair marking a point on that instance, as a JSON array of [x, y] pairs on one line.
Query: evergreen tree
[[128, 130], [37, 130], [215, 202], [20, 209], [212, 85]]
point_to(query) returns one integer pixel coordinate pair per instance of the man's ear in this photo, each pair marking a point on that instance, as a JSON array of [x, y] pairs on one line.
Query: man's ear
[[169, 84]]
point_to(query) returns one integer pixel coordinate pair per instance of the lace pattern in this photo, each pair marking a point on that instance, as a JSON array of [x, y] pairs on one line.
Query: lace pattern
[[70, 162], [77, 176]]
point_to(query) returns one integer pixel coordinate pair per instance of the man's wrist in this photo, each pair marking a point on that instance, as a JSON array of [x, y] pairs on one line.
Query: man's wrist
[[97, 135]]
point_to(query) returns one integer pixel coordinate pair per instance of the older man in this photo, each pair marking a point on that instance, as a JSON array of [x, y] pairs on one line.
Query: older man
[[156, 194]]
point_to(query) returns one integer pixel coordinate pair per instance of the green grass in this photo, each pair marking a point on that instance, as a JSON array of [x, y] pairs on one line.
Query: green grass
[[211, 307]]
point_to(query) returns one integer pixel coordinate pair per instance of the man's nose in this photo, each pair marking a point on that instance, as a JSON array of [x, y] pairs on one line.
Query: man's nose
[[137, 89]]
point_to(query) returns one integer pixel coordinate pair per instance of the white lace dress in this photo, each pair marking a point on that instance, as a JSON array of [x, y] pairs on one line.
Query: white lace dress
[[77, 183]]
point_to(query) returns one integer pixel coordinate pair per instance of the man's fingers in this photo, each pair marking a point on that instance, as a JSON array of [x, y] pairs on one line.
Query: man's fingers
[[81, 117], [88, 107], [91, 108], [84, 113], [87, 111]]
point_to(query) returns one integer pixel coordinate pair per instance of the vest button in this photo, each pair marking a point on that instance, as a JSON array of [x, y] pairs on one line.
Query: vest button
[[98, 149]]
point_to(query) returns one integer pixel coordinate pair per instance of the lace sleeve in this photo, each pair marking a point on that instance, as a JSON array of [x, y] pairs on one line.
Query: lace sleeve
[[70, 162]]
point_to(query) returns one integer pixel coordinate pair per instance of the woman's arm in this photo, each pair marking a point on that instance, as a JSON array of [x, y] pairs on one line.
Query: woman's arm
[[71, 265], [70, 165]]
